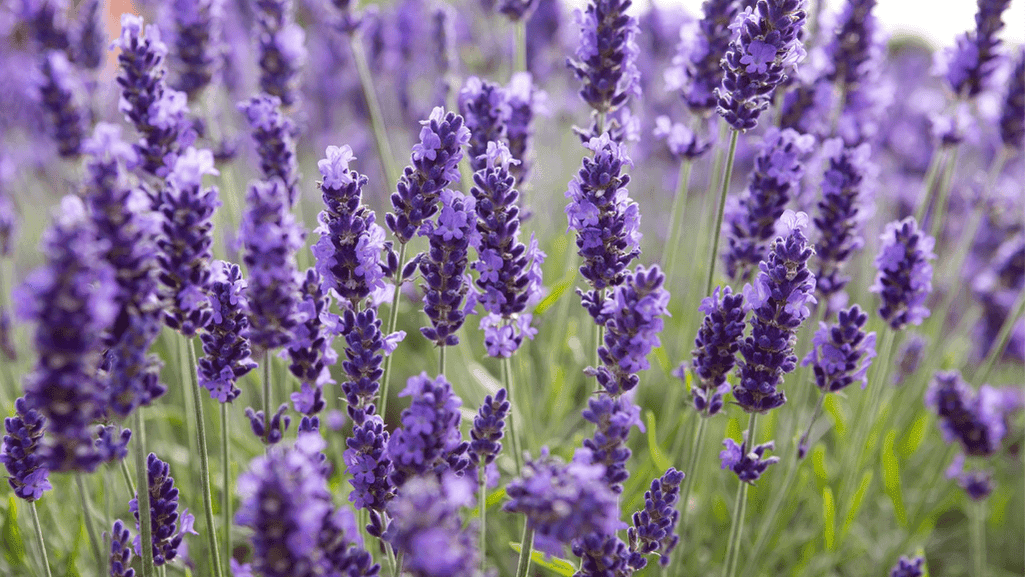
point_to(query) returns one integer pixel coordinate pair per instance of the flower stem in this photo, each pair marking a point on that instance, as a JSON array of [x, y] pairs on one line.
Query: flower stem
[[695, 455], [226, 488], [1003, 337], [380, 128], [737, 524], [393, 319], [727, 175], [929, 183], [940, 213], [807, 432], [204, 461], [521, 46], [266, 396], [142, 496], [39, 537], [507, 383], [526, 546], [676, 222], [87, 513], [482, 504], [128, 478], [441, 360], [979, 536]]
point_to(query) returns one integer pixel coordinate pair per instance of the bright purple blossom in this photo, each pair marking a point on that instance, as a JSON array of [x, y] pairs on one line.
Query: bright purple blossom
[[842, 353], [748, 466], [270, 428], [120, 551], [485, 109], [366, 460], [613, 418], [488, 429], [225, 340], [446, 284], [682, 142], [968, 64], [168, 526], [904, 280], [715, 348], [606, 57], [654, 526], [28, 476], [429, 440], [604, 554], [976, 483], [310, 351], [908, 567]]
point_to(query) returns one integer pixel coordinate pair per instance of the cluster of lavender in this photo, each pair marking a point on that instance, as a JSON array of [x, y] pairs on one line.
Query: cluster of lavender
[[967, 65], [168, 526], [273, 132], [429, 440], [60, 94], [196, 43], [446, 283], [485, 109], [226, 338], [747, 464], [715, 348], [28, 473], [904, 280]]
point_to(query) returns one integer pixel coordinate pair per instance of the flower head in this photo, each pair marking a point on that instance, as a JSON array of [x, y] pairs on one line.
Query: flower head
[[225, 340], [908, 567], [715, 348], [61, 96], [168, 526], [748, 466], [273, 133], [485, 108], [443, 268], [429, 440], [654, 527], [842, 352], [904, 280], [281, 49], [606, 58], [28, 476]]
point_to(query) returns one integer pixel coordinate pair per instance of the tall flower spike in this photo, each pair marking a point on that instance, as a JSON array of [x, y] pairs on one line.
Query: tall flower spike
[[90, 45], [604, 554], [60, 96], [71, 301], [48, 25], [281, 49], [908, 567], [748, 466], [968, 64], [364, 351], [310, 351], [156, 111], [976, 420], [766, 44], [196, 43], [225, 340], [349, 250], [446, 282], [841, 353], [845, 188], [367, 462], [779, 301], [271, 238], [488, 429], [605, 218], [485, 108], [778, 169], [525, 102], [27, 474], [435, 164], [696, 70], [120, 551], [654, 527], [613, 418], [169, 527], [904, 278], [852, 48], [517, 10], [273, 133], [715, 348], [1012, 118], [509, 273], [429, 440], [606, 57], [185, 245]]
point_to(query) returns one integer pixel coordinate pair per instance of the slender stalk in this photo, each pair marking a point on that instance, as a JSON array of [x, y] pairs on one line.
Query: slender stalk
[[482, 504], [599, 336], [89, 526], [521, 46], [944, 194], [929, 184], [39, 537], [601, 122], [676, 222], [204, 461], [526, 547], [226, 488], [814, 417], [128, 478], [979, 536], [266, 396], [441, 360], [727, 175], [377, 123], [754, 558], [393, 319], [737, 524], [1003, 337], [691, 472], [142, 496], [508, 384]]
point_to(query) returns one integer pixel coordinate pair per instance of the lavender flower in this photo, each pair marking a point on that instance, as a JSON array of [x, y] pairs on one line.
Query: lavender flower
[[485, 109], [841, 353], [654, 527], [349, 250], [904, 279], [910, 356], [90, 44], [606, 58], [779, 300], [281, 50], [429, 440], [748, 466], [968, 65], [271, 238], [443, 32], [682, 142], [1012, 118], [348, 20], [517, 10], [47, 23], [196, 43], [120, 551], [342, 546], [606, 220], [426, 528], [225, 340], [976, 420], [60, 96], [443, 267], [435, 161], [169, 527], [715, 348], [270, 430], [563, 501], [613, 417], [364, 352], [778, 169], [157, 112], [71, 299], [273, 133], [525, 102], [908, 567], [488, 429], [509, 272], [977, 483], [696, 69], [28, 475], [8, 219], [311, 350], [765, 45], [186, 241], [844, 191], [852, 49], [606, 554], [367, 462]]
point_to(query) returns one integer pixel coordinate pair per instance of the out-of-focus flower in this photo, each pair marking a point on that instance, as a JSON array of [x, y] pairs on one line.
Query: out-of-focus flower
[[61, 96], [485, 108], [606, 57], [281, 48], [968, 65], [1012, 117], [273, 133], [908, 567], [196, 43], [904, 280]]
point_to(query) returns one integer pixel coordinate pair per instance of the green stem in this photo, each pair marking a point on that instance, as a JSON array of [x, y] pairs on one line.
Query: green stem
[[807, 432], [737, 524], [601, 122], [929, 184], [441, 360], [39, 537], [482, 504], [226, 488], [676, 222], [204, 461], [266, 397], [755, 558], [142, 496], [393, 319], [691, 472], [727, 175], [513, 436], [599, 336], [1003, 337], [377, 123], [944, 194], [521, 46], [128, 478], [89, 526], [979, 536], [526, 546]]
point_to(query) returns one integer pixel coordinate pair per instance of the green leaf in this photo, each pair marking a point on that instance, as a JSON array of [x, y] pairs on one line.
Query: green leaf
[[828, 518], [557, 291], [856, 501], [14, 546], [659, 457], [818, 464], [891, 478], [832, 406], [914, 436], [554, 564]]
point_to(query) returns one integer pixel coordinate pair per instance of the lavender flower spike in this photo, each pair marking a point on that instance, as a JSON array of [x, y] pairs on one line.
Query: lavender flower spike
[[654, 527], [485, 108], [852, 49], [364, 351], [1012, 118], [429, 440], [976, 420], [169, 527], [281, 51], [968, 64], [715, 348], [225, 340], [196, 43], [748, 466], [28, 476], [606, 58], [273, 133], [696, 69], [311, 352], [366, 459], [488, 429], [91, 41], [765, 46], [446, 283], [525, 102], [842, 352], [779, 300], [120, 551], [908, 567], [904, 279], [60, 96]]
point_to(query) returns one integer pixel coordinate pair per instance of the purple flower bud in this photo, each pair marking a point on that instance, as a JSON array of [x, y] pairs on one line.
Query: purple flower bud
[[28, 476], [968, 64], [310, 349], [270, 433], [273, 133], [120, 551], [606, 57], [854, 46], [367, 462], [747, 466], [525, 102], [429, 440], [225, 341], [682, 141], [168, 526], [196, 43], [841, 353], [613, 418], [485, 108], [1012, 117], [654, 527], [715, 348], [904, 280], [977, 483], [443, 268], [696, 70], [908, 567], [488, 429], [364, 352], [606, 554], [517, 10], [47, 23], [281, 49], [976, 420], [766, 44], [91, 42], [61, 96]]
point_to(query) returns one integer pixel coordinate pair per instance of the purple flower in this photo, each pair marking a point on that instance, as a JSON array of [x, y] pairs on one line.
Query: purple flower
[[427, 530], [486, 111], [271, 238], [606, 57], [1012, 117], [976, 420], [779, 302], [910, 356], [270, 429], [968, 64], [904, 280], [435, 161], [908, 567], [654, 527], [841, 353], [778, 169], [310, 350], [429, 440], [605, 218], [281, 48], [517, 10], [120, 551], [225, 340], [603, 554], [613, 418], [715, 348], [168, 526], [525, 102], [8, 217], [977, 483], [854, 47], [748, 466], [443, 267], [273, 133], [47, 23], [488, 429], [364, 352], [681, 141], [60, 94], [696, 70], [28, 475], [367, 462], [563, 501], [196, 43], [766, 44]]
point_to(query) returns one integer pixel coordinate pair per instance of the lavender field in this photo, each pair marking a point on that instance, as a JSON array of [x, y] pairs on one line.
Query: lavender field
[[440, 288]]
